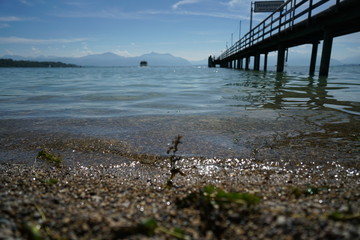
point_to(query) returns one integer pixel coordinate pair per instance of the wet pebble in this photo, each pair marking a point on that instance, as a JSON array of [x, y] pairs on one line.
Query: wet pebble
[[104, 202]]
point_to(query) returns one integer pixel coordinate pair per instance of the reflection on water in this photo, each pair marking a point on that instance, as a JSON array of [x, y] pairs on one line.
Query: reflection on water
[[287, 91]]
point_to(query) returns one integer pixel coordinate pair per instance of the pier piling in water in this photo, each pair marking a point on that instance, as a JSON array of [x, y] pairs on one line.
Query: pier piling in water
[[265, 61], [313, 58], [280, 59], [326, 54], [247, 63], [257, 62]]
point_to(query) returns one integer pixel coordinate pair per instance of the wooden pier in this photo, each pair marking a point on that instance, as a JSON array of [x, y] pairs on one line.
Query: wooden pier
[[295, 23]]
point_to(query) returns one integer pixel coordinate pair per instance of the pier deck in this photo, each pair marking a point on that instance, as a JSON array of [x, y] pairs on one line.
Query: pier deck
[[296, 23]]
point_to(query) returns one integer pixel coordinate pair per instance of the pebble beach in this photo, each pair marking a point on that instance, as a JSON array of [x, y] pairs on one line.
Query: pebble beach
[[298, 185], [100, 203]]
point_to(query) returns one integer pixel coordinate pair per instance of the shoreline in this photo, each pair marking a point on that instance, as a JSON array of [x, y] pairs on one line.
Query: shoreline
[[277, 175], [318, 136]]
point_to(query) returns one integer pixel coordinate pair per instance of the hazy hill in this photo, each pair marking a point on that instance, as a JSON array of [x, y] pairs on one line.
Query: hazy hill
[[10, 63], [156, 59]]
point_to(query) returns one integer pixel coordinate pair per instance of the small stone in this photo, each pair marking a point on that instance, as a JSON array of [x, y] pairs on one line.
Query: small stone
[[96, 198], [281, 220]]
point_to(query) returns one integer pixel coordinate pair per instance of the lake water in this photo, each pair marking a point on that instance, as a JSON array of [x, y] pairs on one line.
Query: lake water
[[220, 112], [116, 92]]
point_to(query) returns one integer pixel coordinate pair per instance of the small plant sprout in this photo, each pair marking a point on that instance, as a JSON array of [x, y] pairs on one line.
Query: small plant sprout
[[49, 157], [173, 148]]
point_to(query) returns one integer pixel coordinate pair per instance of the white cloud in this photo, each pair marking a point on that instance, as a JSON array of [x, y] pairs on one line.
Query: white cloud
[[123, 53], [9, 52], [7, 40], [35, 50], [213, 14], [143, 14], [78, 3], [233, 3], [237, 3], [105, 14], [85, 49], [5, 20], [184, 2], [194, 13], [304, 49], [12, 19], [25, 2]]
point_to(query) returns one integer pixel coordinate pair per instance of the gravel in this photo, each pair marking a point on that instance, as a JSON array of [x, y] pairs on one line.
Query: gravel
[[297, 201], [289, 175]]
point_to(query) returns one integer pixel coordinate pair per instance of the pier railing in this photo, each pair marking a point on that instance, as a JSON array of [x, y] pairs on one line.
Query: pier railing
[[285, 17]]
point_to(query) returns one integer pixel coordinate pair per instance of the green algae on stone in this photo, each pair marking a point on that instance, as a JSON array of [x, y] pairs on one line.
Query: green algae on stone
[[50, 157]]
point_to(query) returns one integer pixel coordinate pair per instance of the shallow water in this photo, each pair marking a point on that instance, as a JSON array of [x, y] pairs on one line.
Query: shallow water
[[112, 115]]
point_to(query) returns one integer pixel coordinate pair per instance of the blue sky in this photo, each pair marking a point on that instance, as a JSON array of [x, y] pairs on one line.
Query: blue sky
[[192, 29]]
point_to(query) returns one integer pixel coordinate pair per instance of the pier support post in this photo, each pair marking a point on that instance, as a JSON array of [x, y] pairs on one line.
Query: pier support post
[[313, 58], [210, 62], [222, 64], [280, 59], [257, 62], [326, 54], [247, 63], [265, 61]]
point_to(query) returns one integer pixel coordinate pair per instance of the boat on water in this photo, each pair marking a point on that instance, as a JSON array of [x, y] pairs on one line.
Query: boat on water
[[143, 64]]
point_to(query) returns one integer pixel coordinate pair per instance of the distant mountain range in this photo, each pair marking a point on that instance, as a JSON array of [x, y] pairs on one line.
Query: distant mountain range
[[110, 60], [159, 59]]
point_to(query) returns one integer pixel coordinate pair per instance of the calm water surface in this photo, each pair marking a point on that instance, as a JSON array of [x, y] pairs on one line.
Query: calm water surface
[[114, 92]]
